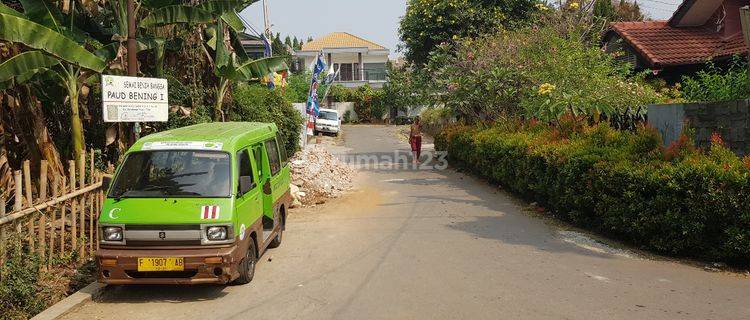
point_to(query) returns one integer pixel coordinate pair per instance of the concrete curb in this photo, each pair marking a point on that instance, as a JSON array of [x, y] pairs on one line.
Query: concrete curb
[[88, 293]]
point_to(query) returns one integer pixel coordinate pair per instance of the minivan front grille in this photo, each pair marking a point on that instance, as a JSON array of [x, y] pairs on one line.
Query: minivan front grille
[[163, 227], [141, 243], [162, 235]]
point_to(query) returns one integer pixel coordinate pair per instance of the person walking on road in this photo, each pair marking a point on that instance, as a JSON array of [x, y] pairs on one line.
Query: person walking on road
[[415, 140]]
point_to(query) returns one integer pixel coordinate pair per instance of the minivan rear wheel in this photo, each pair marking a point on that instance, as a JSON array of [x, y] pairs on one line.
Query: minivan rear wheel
[[276, 242], [247, 265]]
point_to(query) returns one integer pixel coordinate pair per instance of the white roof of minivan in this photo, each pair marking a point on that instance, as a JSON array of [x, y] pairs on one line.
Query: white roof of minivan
[[330, 110]]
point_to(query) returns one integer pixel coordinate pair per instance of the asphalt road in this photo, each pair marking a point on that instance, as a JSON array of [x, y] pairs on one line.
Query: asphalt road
[[437, 244]]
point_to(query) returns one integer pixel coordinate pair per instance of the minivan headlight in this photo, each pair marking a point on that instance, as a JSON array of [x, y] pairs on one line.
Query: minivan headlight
[[216, 233], [112, 233]]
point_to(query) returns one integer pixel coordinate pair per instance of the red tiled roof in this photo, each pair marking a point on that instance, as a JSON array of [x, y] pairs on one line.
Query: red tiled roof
[[663, 45]]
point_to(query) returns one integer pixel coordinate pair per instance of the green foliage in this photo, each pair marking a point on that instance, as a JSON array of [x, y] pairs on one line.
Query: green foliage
[[369, 103], [348, 116], [434, 119], [20, 296], [297, 88], [405, 88], [339, 93], [604, 9], [718, 84], [429, 23], [257, 103], [618, 183], [542, 71]]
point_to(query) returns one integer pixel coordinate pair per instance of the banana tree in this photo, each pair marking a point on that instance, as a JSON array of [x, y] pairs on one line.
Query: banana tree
[[52, 46], [229, 58]]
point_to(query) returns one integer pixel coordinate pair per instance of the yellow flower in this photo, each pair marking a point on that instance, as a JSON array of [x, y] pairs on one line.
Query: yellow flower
[[574, 5], [541, 7], [546, 88]]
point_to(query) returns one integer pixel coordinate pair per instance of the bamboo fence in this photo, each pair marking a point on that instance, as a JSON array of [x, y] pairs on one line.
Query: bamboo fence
[[54, 216]]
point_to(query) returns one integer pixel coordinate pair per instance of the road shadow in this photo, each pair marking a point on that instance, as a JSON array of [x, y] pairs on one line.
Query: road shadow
[[160, 293], [487, 212]]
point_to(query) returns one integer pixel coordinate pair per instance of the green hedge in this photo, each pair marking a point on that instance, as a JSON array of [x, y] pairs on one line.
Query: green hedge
[[255, 103], [619, 184]]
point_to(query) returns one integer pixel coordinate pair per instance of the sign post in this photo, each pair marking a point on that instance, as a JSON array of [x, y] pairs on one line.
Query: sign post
[[133, 99]]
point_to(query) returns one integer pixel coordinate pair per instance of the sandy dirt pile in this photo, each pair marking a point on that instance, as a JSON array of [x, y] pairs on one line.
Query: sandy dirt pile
[[318, 175]]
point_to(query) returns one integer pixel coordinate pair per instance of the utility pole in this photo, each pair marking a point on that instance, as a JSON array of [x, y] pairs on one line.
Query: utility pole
[[132, 49], [266, 25], [132, 65]]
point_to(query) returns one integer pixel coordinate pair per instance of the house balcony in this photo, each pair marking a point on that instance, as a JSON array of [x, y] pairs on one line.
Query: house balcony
[[352, 77]]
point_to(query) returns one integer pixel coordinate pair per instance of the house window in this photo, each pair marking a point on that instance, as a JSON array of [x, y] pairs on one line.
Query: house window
[[375, 71], [346, 73]]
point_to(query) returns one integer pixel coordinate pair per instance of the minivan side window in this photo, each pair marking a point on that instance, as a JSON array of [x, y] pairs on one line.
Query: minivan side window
[[273, 156], [257, 151], [282, 149], [244, 166]]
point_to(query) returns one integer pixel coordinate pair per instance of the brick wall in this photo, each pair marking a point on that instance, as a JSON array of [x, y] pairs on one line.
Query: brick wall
[[729, 118]]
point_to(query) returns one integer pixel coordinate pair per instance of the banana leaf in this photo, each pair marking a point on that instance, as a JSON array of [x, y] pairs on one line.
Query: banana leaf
[[257, 69], [210, 32], [24, 63], [156, 4], [10, 11], [109, 52], [222, 6], [177, 14], [233, 21], [223, 58], [43, 12], [242, 56], [37, 36]]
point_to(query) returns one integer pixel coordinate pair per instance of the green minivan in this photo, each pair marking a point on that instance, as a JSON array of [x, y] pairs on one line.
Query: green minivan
[[195, 205]]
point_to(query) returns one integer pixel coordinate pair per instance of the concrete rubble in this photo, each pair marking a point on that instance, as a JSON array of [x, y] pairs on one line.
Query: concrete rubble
[[318, 175]]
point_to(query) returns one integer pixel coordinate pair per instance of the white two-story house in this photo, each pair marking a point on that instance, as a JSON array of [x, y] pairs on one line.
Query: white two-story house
[[359, 61]]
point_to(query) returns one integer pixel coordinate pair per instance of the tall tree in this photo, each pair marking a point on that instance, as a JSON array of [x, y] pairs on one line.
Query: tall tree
[[428, 23], [627, 11], [295, 44], [604, 9]]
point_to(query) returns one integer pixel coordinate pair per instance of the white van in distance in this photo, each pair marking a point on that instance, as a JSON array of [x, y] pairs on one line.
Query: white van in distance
[[328, 121]]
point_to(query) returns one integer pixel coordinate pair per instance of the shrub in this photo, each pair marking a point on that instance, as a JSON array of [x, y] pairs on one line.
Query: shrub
[[718, 84], [255, 103], [433, 119], [547, 69], [618, 183], [19, 294]]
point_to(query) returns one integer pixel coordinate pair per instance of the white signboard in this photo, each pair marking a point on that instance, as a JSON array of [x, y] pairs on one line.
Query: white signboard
[[133, 99], [182, 145]]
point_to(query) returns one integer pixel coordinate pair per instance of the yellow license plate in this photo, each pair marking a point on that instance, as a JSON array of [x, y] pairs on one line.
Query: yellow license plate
[[161, 264]]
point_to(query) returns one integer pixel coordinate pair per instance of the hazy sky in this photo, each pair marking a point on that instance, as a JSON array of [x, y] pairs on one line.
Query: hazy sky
[[374, 20]]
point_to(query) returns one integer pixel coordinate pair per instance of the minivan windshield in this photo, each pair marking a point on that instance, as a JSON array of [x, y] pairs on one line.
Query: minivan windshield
[[173, 173], [328, 115]]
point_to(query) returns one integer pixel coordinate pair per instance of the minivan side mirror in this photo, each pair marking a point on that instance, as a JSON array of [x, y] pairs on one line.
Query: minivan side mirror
[[106, 181], [246, 184]]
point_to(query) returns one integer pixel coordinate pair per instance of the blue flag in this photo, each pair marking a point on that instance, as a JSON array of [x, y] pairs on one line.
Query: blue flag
[[313, 107]]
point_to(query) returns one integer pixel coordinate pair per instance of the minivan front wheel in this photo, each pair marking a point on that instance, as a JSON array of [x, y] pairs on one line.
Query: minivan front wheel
[[247, 265]]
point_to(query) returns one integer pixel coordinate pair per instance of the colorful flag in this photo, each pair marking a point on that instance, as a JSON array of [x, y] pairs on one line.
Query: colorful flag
[[267, 46], [330, 76], [313, 107]]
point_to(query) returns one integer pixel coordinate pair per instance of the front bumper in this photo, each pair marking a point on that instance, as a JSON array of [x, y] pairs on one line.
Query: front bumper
[[197, 271], [327, 129]]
